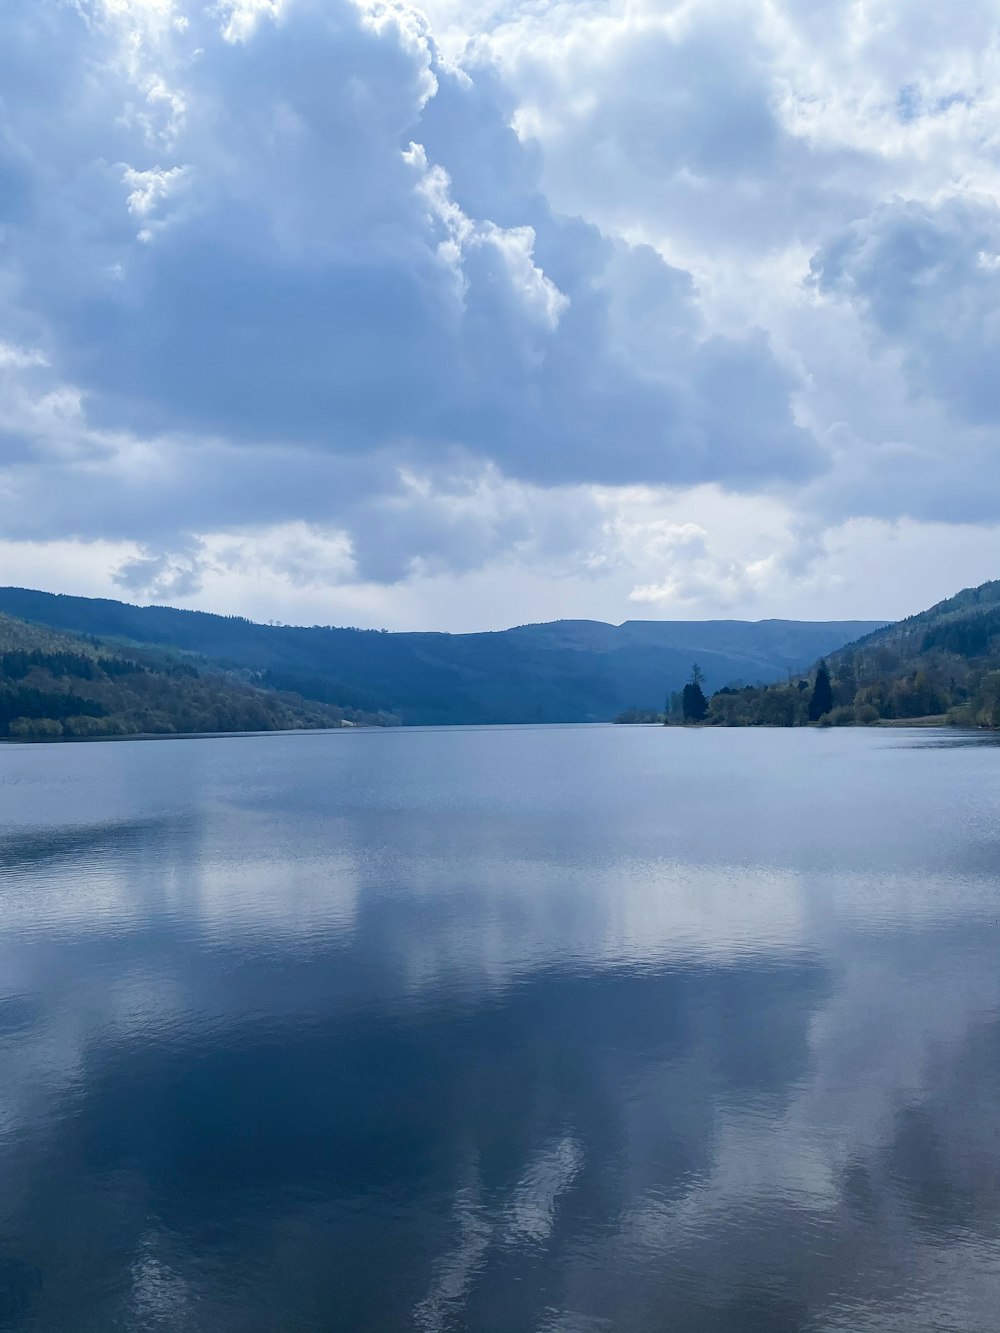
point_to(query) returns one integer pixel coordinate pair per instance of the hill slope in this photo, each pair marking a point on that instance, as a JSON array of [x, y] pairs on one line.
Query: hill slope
[[56, 684], [945, 660], [566, 671]]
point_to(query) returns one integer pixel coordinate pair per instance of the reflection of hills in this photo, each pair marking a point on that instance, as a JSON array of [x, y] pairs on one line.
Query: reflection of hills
[[287, 1114], [663, 1145], [68, 843]]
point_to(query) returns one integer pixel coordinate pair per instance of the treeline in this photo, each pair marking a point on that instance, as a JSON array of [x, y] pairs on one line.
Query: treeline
[[20, 663], [948, 670], [943, 664], [54, 685]]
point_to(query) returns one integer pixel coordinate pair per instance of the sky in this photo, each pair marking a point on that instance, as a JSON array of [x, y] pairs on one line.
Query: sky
[[480, 313]]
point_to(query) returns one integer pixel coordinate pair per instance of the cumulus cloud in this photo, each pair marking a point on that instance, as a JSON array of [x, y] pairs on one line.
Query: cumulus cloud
[[271, 257], [927, 279], [422, 285]]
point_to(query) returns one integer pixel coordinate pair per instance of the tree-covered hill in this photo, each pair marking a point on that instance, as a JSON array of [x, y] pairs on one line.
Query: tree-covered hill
[[55, 685], [943, 662], [564, 671]]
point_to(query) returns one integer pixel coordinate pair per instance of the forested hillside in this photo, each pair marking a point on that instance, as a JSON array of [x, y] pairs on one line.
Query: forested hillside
[[60, 685], [563, 671], [944, 662]]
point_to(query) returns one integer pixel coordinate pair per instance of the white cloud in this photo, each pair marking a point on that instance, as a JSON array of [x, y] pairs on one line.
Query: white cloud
[[239, 18], [20, 358], [515, 245]]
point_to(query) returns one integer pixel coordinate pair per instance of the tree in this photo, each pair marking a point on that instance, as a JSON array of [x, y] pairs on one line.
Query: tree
[[822, 695], [694, 702], [38, 728]]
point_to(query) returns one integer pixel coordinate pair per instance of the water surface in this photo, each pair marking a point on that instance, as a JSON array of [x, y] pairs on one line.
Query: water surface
[[543, 1029]]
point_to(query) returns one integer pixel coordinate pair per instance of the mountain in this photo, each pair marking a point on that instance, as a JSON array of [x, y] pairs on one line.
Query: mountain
[[945, 661], [56, 684], [564, 671]]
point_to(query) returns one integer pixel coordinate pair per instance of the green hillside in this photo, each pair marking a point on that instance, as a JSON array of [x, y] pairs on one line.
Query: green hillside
[[943, 662], [565, 671], [54, 684]]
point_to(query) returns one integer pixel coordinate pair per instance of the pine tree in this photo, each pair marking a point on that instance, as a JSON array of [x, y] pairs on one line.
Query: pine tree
[[822, 695], [694, 702]]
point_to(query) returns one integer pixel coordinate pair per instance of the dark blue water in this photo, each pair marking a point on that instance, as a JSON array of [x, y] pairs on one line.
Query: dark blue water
[[555, 1029]]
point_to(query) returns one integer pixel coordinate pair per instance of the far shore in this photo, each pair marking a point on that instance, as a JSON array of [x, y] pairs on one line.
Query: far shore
[[187, 735], [933, 720]]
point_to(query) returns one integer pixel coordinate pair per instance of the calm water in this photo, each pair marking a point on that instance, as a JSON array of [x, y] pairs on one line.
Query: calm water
[[556, 1029]]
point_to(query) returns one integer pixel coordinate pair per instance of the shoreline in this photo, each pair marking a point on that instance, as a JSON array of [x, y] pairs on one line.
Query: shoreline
[[187, 735], [932, 720], [919, 723]]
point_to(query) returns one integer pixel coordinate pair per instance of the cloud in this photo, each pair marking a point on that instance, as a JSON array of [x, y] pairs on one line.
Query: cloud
[[160, 578], [426, 285], [927, 280], [272, 260]]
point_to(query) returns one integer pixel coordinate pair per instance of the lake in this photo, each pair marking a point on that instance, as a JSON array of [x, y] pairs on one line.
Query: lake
[[519, 1030]]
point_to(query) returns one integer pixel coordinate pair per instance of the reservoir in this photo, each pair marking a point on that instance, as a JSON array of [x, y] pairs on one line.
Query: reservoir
[[501, 1030]]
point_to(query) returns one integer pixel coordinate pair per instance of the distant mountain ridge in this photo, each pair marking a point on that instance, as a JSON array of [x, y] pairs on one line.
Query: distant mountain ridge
[[558, 671]]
